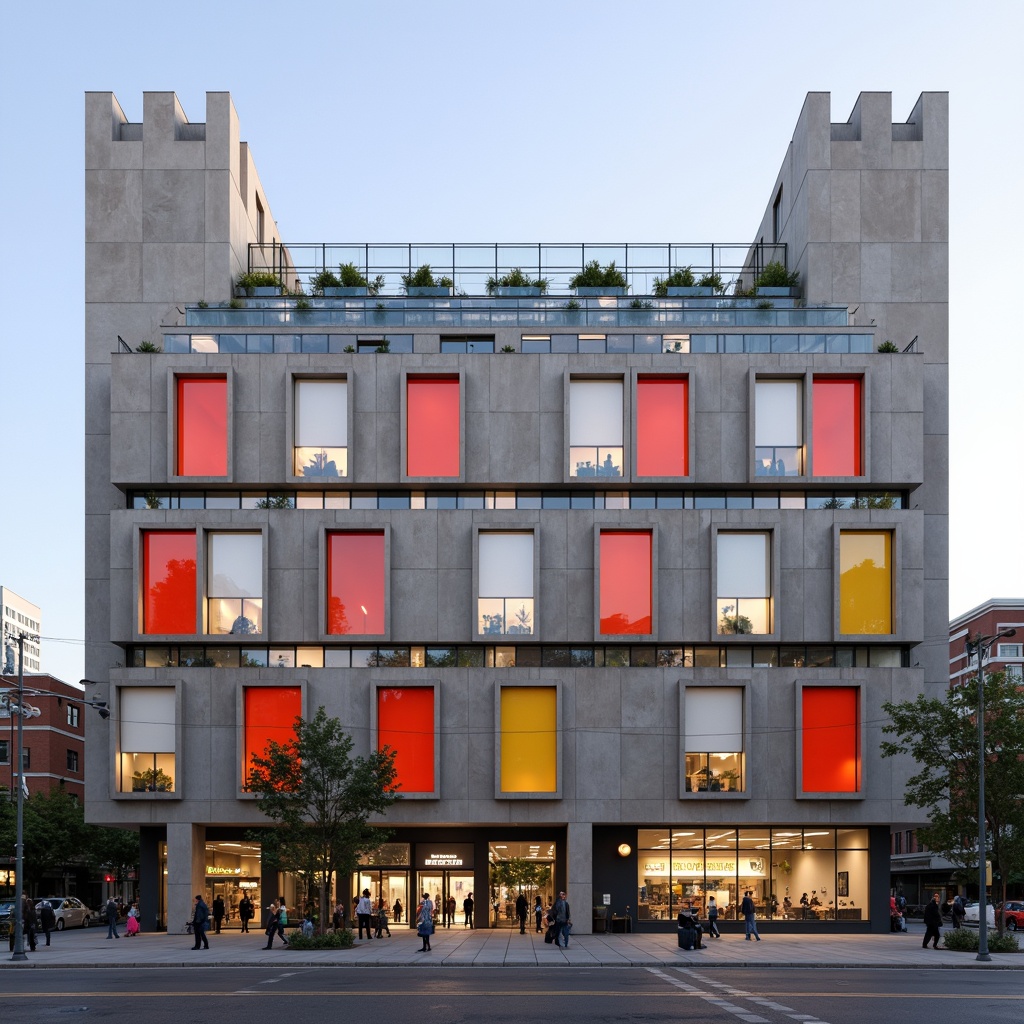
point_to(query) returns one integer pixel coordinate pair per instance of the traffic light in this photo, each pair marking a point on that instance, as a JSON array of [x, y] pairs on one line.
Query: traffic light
[[108, 878]]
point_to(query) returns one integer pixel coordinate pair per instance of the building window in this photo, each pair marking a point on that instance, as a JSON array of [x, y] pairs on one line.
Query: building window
[[865, 582], [26, 759], [169, 582], [836, 434], [270, 713], [505, 578], [778, 428], [405, 724], [529, 739], [73, 715], [234, 583], [714, 739], [1009, 651], [830, 734], [321, 429], [662, 423], [744, 600], [261, 221], [72, 760], [5, 752], [433, 427], [595, 428], [777, 216], [1014, 673], [897, 842], [626, 582], [356, 591], [147, 720], [202, 426]]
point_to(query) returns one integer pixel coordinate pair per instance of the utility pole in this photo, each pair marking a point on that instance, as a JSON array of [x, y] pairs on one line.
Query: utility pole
[[19, 849]]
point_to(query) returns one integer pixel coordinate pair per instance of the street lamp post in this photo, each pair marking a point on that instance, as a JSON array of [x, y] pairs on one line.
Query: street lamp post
[[981, 645]]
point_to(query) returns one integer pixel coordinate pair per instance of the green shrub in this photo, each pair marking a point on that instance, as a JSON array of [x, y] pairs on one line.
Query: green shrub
[[888, 346], [349, 348], [302, 304], [508, 348], [712, 281], [517, 279], [421, 278], [329, 940], [236, 304], [593, 275], [203, 304], [147, 346], [682, 278], [258, 279], [965, 940], [325, 279], [775, 275], [572, 304], [641, 304]]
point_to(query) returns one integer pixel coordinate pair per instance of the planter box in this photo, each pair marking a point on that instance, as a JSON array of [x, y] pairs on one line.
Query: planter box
[[433, 293], [600, 291], [342, 292], [782, 293], [689, 291], [518, 291], [263, 291]]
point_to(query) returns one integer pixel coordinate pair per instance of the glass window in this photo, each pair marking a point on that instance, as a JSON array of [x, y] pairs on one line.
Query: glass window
[[405, 724], [202, 426], [72, 760], [778, 428], [270, 713], [595, 428], [662, 420], [73, 716], [168, 582], [714, 739], [744, 602], [355, 583], [147, 719], [836, 435], [626, 585], [234, 583], [529, 739], [505, 574], [321, 428], [865, 582], [433, 425], [831, 739]]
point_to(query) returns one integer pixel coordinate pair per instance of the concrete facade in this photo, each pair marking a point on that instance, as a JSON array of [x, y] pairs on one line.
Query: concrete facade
[[171, 209]]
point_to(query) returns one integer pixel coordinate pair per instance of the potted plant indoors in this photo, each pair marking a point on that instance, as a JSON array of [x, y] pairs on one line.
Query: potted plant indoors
[[594, 279]]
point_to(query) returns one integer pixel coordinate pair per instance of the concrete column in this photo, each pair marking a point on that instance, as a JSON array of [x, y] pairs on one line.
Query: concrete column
[[580, 891], [149, 878], [186, 871]]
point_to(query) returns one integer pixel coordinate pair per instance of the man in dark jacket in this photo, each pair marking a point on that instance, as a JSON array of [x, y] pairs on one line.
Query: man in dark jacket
[[218, 913], [522, 908], [111, 912], [47, 919], [932, 922], [246, 911], [563, 919], [749, 912], [28, 923], [200, 920]]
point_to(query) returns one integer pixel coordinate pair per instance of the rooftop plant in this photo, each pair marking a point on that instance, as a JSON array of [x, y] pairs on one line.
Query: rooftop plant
[[420, 278], [325, 279], [147, 346], [682, 278], [888, 346], [258, 279], [593, 275], [517, 279], [713, 280], [775, 275]]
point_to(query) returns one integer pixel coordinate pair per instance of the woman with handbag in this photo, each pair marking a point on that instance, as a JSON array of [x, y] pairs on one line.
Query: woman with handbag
[[425, 922]]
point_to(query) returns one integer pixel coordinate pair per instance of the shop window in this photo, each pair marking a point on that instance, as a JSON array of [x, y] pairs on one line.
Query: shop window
[[169, 582], [321, 429], [662, 422], [505, 577], [778, 428], [595, 428], [529, 739], [356, 583], [831, 739], [147, 721], [202, 426], [234, 583], [865, 582], [837, 431], [405, 723], [714, 739], [626, 584], [744, 600], [433, 427], [270, 713]]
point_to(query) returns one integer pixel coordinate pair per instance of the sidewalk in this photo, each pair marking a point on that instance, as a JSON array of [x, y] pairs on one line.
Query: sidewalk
[[503, 947]]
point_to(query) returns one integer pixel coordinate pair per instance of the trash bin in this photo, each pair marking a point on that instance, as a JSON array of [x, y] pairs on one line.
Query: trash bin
[[600, 920]]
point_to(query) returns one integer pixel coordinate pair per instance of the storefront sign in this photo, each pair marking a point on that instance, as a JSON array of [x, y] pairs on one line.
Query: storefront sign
[[449, 857], [697, 867], [248, 885], [222, 871]]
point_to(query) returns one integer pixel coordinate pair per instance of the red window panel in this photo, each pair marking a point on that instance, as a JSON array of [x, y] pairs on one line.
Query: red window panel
[[169, 582], [432, 426], [837, 427], [662, 418], [831, 740], [270, 713], [405, 723], [625, 582], [202, 426], [355, 583]]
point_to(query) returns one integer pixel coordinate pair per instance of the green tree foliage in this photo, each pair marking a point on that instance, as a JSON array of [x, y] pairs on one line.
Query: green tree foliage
[[681, 278], [593, 275], [941, 734], [321, 799]]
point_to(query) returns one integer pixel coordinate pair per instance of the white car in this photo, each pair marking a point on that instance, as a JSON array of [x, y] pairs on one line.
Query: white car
[[971, 914], [70, 912]]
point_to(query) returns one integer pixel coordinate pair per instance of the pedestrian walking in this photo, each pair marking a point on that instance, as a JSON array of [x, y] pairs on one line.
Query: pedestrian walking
[[218, 913], [111, 912], [338, 918], [957, 911], [246, 912], [382, 919], [467, 911], [397, 910], [522, 908], [132, 924], [450, 908], [200, 922], [538, 913], [932, 922], [425, 922], [563, 919], [363, 910], [282, 918], [749, 916], [47, 919], [29, 921], [272, 918], [713, 932]]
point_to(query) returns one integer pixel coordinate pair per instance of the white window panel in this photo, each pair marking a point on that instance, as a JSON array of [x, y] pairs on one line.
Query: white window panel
[[743, 565], [321, 413], [595, 413], [236, 565], [714, 719], [147, 719], [506, 564], [778, 419]]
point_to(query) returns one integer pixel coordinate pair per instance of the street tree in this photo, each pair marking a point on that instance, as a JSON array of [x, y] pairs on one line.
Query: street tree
[[942, 737], [321, 798], [56, 836]]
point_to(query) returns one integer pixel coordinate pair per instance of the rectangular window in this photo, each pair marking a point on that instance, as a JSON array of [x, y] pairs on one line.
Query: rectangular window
[[72, 760], [405, 723], [26, 759], [831, 740], [777, 216], [744, 600], [505, 577], [714, 739], [202, 426], [836, 434], [234, 583], [897, 846], [270, 713], [778, 428], [1010, 651], [626, 582], [321, 429], [529, 739], [5, 752], [433, 427], [147, 739], [73, 715], [595, 428], [865, 582], [662, 423], [169, 582], [356, 583]]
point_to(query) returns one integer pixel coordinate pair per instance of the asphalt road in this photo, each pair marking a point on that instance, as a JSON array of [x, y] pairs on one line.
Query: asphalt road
[[453, 996]]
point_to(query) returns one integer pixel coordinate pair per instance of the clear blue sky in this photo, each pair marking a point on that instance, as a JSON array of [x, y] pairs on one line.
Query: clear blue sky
[[466, 121]]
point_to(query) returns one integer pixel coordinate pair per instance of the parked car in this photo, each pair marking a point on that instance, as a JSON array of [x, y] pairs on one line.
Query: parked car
[[6, 916], [70, 912], [971, 914], [1014, 914]]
